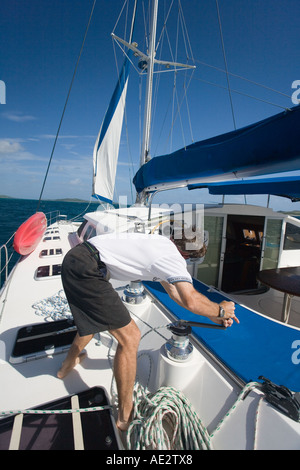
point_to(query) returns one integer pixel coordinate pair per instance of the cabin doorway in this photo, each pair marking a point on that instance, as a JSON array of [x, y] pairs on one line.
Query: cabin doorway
[[242, 256]]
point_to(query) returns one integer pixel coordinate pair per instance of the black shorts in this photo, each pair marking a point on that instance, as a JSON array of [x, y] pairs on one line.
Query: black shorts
[[94, 304]]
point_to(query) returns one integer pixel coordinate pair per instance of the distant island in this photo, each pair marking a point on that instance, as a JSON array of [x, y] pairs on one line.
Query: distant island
[[2, 196], [292, 213], [295, 213], [67, 199]]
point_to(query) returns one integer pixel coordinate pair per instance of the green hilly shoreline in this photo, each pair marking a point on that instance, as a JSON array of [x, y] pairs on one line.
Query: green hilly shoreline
[[2, 196]]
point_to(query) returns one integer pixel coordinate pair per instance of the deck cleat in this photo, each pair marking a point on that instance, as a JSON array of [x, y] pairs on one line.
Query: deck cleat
[[282, 398]]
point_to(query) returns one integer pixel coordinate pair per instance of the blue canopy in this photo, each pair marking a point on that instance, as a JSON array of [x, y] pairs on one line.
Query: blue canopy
[[285, 186], [269, 146]]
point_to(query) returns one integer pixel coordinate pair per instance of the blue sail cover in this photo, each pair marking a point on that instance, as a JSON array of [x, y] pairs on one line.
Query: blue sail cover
[[269, 146], [285, 186]]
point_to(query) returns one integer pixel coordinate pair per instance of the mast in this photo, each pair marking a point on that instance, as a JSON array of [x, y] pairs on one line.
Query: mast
[[149, 61], [148, 102]]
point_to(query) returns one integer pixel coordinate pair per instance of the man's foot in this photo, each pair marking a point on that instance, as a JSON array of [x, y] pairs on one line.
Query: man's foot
[[123, 425], [68, 366]]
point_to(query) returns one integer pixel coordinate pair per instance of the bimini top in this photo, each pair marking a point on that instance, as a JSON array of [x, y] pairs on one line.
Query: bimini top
[[269, 146], [285, 186]]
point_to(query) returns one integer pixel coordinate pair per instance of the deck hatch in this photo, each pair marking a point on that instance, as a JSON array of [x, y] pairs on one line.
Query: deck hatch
[[42, 339], [58, 431]]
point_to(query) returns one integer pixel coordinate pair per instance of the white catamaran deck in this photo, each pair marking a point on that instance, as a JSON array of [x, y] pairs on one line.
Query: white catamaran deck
[[212, 388], [220, 372]]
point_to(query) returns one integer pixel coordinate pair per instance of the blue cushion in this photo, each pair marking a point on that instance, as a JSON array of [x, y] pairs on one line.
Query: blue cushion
[[257, 346]]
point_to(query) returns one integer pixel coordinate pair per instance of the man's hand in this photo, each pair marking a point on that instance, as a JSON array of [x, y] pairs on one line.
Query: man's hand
[[229, 315], [188, 297]]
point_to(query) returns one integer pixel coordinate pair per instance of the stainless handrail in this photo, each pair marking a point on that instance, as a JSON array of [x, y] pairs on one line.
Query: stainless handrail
[[7, 260], [52, 217], [4, 247]]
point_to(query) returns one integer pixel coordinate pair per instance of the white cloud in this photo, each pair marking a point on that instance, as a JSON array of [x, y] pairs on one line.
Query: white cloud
[[75, 182], [9, 146], [124, 163], [62, 136], [18, 116], [12, 150]]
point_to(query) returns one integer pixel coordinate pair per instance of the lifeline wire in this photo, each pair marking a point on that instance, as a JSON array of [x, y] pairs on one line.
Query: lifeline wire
[[56, 412], [65, 106]]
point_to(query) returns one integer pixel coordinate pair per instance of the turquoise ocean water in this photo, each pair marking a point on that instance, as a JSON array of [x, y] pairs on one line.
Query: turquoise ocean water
[[13, 212]]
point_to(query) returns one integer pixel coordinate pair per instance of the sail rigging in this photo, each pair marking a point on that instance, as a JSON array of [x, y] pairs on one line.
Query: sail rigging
[[106, 149], [107, 145]]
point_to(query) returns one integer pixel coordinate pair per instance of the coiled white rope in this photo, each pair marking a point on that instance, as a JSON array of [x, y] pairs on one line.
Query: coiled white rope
[[53, 308], [166, 420]]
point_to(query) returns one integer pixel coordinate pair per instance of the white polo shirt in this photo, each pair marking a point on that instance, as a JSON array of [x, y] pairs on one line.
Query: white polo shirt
[[138, 256]]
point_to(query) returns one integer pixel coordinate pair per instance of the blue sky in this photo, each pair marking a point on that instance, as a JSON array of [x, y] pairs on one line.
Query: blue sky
[[40, 42]]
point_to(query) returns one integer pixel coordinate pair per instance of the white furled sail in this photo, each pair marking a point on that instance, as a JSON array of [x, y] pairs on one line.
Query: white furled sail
[[106, 150]]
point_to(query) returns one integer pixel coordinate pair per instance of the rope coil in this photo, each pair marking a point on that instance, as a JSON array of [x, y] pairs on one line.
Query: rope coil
[[53, 308], [166, 420]]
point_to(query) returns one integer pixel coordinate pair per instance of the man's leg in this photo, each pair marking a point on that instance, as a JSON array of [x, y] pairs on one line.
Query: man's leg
[[74, 355], [128, 339]]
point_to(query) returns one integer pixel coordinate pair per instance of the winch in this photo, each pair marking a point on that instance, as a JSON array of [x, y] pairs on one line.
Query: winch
[[178, 347], [134, 293], [178, 359]]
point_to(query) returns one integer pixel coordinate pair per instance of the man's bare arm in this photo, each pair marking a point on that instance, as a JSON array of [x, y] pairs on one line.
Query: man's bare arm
[[188, 297]]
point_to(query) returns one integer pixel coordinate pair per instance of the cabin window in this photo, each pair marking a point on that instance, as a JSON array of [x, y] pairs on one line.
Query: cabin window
[[48, 271], [208, 270], [46, 239], [292, 237], [51, 252], [272, 243], [90, 232], [80, 229], [49, 232]]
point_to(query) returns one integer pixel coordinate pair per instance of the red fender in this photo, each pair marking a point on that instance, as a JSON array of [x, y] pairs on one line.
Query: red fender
[[29, 234]]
